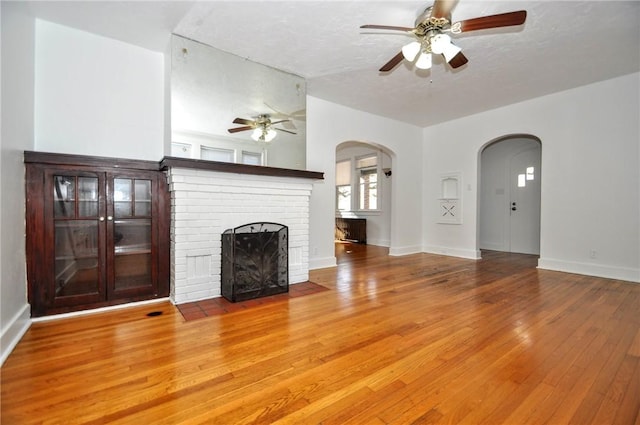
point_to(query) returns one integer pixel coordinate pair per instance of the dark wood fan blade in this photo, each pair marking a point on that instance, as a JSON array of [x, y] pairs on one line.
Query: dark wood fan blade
[[243, 121], [458, 60], [494, 21], [286, 131], [387, 27], [442, 8], [235, 130], [392, 63]]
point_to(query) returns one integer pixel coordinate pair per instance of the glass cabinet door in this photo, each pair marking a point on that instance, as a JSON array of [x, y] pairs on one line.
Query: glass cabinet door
[[132, 233], [75, 203]]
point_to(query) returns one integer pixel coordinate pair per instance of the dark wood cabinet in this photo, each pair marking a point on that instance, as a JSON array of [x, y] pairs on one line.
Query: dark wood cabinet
[[97, 232]]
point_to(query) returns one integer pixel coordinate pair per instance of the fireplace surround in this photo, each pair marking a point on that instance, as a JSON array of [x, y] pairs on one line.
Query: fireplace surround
[[209, 197]]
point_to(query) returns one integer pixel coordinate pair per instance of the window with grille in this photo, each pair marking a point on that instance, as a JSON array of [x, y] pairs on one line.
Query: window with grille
[[217, 154], [367, 171], [251, 158]]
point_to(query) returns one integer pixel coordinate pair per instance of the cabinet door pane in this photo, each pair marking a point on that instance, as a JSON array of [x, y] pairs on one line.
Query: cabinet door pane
[[64, 196], [143, 198], [88, 196], [122, 196], [76, 257], [132, 241]]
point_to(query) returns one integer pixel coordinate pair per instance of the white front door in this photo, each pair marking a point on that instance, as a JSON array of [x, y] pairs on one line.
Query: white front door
[[524, 204]]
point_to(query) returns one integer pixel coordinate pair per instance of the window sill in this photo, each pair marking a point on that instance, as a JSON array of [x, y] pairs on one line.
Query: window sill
[[358, 213]]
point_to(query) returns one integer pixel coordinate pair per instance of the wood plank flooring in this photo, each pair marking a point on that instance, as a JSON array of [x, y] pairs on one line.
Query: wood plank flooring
[[418, 339]]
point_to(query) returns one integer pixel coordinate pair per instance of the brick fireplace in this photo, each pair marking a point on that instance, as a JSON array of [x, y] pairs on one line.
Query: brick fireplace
[[208, 198]]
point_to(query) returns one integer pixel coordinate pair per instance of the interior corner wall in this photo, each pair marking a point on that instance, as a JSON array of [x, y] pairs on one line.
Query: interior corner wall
[[590, 204], [97, 96], [18, 46], [167, 138], [328, 125]]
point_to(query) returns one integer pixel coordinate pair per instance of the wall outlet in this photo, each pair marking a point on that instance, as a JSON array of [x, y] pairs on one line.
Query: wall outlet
[[593, 254]]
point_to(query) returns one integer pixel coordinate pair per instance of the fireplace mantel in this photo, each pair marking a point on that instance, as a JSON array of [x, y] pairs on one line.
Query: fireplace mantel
[[229, 167]]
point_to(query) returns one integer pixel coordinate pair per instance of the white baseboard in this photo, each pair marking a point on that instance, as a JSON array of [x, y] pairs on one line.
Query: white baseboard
[[397, 251], [98, 310], [322, 263], [471, 254], [598, 270], [379, 242], [14, 331]]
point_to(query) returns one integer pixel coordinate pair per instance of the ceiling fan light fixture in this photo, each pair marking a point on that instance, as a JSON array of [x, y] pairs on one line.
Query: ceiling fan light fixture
[[439, 43], [270, 135], [411, 50], [424, 61], [263, 134], [257, 134], [450, 51]]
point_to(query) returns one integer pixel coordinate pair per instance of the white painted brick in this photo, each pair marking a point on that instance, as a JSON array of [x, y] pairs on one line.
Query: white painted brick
[[206, 203]]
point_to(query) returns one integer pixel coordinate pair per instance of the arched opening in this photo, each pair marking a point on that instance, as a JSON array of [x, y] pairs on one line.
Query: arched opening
[[509, 194], [364, 191]]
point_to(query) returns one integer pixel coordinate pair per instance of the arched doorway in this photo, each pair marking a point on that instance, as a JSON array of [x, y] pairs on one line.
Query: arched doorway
[[364, 188], [509, 210]]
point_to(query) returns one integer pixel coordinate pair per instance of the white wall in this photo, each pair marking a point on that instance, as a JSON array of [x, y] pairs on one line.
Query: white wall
[[97, 96], [18, 44], [590, 179], [328, 125]]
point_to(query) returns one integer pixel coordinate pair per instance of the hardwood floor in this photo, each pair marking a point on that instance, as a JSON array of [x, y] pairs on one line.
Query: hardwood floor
[[416, 339]]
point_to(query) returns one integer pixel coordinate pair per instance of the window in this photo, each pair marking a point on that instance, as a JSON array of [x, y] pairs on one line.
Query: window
[[251, 158], [367, 170], [343, 194], [216, 154], [343, 185], [530, 175], [361, 193]]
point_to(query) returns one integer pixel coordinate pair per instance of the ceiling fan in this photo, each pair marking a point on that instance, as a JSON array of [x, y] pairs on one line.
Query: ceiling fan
[[430, 31], [262, 126]]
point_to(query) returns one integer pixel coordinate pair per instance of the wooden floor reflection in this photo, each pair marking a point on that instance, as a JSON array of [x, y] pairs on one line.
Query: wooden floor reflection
[[410, 339]]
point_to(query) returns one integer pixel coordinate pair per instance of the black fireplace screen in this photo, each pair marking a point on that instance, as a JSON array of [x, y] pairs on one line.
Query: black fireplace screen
[[255, 261]]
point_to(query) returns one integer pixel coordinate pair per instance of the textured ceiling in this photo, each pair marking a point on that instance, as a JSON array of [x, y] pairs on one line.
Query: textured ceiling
[[563, 44]]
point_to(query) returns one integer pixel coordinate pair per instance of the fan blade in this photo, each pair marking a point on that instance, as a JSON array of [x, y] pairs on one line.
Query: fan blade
[[243, 121], [286, 131], [458, 60], [443, 8], [392, 63], [494, 21], [235, 130], [387, 27], [278, 122]]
